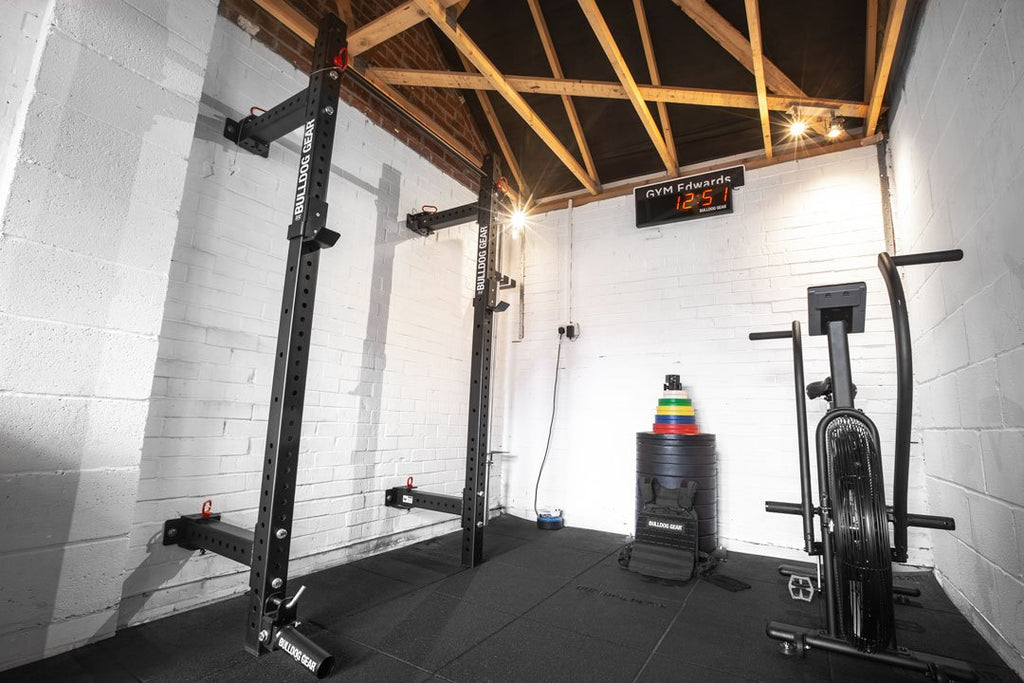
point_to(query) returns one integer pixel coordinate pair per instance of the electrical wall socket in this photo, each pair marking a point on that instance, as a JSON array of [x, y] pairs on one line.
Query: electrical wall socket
[[570, 330]]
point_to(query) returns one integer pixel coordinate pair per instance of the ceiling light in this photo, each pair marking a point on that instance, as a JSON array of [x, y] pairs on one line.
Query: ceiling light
[[797, 128], [518, 221], [835, 127]]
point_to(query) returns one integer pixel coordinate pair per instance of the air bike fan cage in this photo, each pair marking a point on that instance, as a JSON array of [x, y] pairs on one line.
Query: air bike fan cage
[[852, 540]]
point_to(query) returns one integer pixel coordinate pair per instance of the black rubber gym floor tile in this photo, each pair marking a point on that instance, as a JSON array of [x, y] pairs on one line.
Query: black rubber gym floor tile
[[336, 592], [624, 617], [747, 567], [608, 576], [932, 596], [84, 665], [737, 644], [556, 560], [411, 566], [526, 651], [764, 601], [661, 669], [584, 539], [505, 587], [942, 633], [183, 647], [425, 628]]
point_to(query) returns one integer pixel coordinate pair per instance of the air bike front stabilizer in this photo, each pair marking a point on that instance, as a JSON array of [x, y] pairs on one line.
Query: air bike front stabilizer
[[271, 618]]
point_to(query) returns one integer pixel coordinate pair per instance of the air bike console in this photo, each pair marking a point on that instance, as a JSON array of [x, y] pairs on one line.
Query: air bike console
[[271, 618], [854, 553]]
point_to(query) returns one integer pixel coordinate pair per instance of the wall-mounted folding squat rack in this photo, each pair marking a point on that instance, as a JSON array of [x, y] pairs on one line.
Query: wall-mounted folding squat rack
[[472, 505], [271, 619]]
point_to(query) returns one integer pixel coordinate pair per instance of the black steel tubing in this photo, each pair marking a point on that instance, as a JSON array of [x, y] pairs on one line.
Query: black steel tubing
[[905, 659], [268, 576], [904, 403], [304, 651], [931, 522], [778, 334], [928, 257], [904, 384], [783, 508], [801, 426]]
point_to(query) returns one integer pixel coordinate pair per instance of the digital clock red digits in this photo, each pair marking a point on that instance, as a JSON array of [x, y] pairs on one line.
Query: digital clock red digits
[[690, 200]]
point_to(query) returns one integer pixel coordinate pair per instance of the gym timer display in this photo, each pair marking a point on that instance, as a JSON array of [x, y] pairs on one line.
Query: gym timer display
[[681, 199]]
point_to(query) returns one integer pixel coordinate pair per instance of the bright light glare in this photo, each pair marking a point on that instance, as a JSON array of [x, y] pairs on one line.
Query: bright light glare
[[834, 131], [797, 128], [518, 219]]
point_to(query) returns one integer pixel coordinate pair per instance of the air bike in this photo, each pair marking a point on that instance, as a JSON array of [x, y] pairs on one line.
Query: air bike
[[854, 552]]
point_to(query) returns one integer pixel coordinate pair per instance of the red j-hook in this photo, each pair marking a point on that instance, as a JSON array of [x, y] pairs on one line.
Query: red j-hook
[[408, 484], [207, 506]]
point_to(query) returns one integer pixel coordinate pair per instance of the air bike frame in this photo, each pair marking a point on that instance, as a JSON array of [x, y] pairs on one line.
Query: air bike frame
[[472, 505], [271, 619]]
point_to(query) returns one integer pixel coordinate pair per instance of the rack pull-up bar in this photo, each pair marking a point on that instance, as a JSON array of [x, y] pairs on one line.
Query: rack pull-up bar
[[271, 617]]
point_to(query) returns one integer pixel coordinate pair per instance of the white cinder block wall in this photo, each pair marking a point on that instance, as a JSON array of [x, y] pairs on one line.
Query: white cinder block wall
[[681, 299], [388, 382], [958, 161], [96, 139]]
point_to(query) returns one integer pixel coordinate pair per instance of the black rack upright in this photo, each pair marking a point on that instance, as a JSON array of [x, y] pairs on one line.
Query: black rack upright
[[271, 617], [472, 505]]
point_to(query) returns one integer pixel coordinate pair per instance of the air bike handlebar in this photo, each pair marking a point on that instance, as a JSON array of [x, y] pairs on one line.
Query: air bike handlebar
[[904, 382], [928, 257], [801, 426]]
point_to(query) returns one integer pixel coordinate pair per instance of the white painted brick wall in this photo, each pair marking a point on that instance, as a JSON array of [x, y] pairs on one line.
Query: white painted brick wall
[[958, 161], [96, 132], [681, 299], [388, 382]]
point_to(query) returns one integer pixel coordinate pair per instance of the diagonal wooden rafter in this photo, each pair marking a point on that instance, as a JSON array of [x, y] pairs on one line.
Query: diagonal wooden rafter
[[360, 40], [870, 48], [436, 12], [757, 56], [726, 35], [611, 49], [652, 68], [499, 132], [345, 12], [607, 90], [556, 71], [889, 41], [379, 30]]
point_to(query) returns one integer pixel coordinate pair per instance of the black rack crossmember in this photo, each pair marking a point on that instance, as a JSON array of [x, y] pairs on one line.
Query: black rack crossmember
[[271, 616]]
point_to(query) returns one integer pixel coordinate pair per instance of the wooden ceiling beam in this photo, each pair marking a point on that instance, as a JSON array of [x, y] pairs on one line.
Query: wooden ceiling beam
[[726, 35], [611, 50], [626, 187], [499, 132], [652, 69], [602, 89], [870, 48], [296, 22], [889, 42], [556, 71], [435, 11], [757, 56]]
